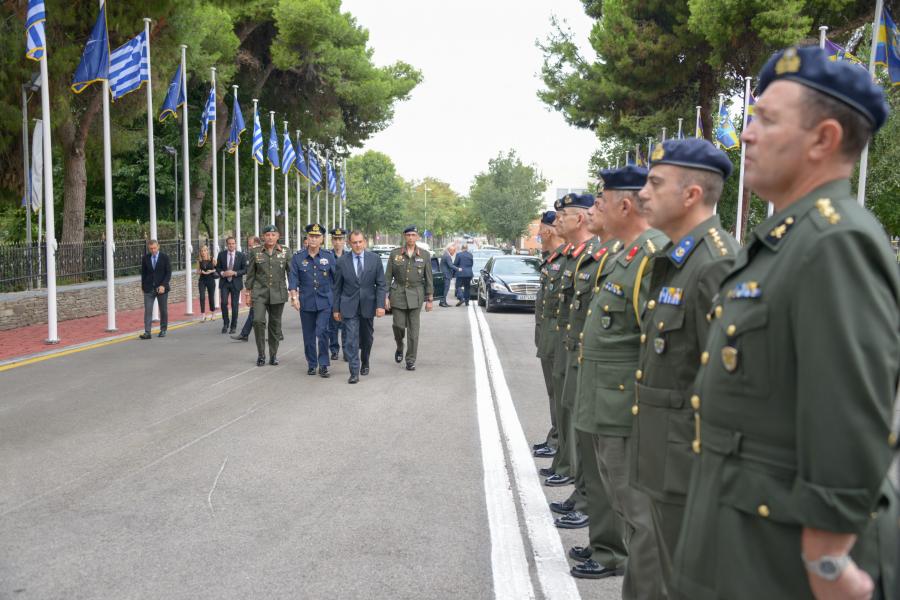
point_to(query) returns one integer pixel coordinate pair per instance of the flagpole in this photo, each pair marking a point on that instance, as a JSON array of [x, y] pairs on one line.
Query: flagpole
[[151, 151], [52, 332], [699, 123], [110, 247], [738, 222], [237, 187], [864, 159], [287, 226], [185, 151], [298, 218], [680, 121], [649, 149], [215, 175], [255, 178], [823, 30], [663, 135], [271, 170], [626, 158]]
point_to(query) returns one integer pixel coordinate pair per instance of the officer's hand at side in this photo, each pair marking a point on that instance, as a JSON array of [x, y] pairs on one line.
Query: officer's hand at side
[[387, 304], [295, 302], [853, 584], [379, 312], [336, 315], [429, 306]]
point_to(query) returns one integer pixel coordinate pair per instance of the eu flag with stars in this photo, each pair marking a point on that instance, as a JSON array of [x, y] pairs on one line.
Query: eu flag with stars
[[174, 98], [35, 38], [237, 128], [94, 65], [300, 163], [273, 149]]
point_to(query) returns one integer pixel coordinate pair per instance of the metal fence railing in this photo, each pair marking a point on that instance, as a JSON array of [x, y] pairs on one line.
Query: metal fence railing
[[22, 266]]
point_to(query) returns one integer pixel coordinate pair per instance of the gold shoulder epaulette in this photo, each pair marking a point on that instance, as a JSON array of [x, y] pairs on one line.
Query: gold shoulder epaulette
[[827, 211]]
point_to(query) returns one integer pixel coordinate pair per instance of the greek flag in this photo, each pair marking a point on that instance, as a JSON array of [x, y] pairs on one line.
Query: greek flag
[[94, 65], [35, 39], [174, 98], [273, 149], [237, 128], [332, 182], [208, 116], [315, 173], [287, 152], [128, 67], [257, 140], [343, 186], [300, 164]]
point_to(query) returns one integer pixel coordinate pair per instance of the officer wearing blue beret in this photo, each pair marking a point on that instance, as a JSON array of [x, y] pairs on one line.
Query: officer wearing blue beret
[[311, 277], [788, 496]]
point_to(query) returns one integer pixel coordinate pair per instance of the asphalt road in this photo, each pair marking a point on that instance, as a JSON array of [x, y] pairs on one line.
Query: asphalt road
[[176, 468]]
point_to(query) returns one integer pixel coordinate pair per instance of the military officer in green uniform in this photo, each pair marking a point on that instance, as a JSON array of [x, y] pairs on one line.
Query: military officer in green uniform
[[684, 184], [549, 241], [788, 497], [411, 285], [266, 284], [606, 375]]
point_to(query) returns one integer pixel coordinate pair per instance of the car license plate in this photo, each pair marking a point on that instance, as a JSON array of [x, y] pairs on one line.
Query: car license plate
[[527, 297]]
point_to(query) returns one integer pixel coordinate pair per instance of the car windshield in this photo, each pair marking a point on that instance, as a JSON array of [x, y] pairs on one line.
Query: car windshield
[[517, 266], [479, 261]]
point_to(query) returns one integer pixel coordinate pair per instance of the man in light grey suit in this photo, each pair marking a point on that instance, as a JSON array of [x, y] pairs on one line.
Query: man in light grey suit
[[359, 292], [448, 271]]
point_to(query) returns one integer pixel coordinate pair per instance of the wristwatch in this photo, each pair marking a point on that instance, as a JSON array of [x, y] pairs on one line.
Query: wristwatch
[[828, 567]]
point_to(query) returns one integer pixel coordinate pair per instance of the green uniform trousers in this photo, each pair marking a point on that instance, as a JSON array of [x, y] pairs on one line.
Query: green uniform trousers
[[667, 518], [606, 532], [564, 463], [261, 309], [547, 369], [406, 322]]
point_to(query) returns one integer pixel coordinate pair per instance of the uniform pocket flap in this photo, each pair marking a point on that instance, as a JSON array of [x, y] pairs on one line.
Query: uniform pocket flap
[[668, 318], [748, 319], [661, 398], [754, 491], [611, 303]]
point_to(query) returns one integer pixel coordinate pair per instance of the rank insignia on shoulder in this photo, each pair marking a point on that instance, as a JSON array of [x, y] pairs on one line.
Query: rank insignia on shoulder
[[682, 250], [632, 252], [599, 254], [745, 289], [827, 210], [578, 250], [671, 295], [780, 230], [614, 288]]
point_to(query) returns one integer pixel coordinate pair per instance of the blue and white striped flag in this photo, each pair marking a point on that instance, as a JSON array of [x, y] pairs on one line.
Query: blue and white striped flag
[[257, 140], [208, 116], [315, 172], [300, 163], [287, 153], [35, 39], [343, 186], [128, 69], [332, 182], [273, 149]]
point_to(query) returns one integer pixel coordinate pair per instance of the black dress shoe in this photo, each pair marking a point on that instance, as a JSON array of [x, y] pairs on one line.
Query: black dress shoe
[[444, 304], [557, 480], [591, 569], [539, 446], [580, 553], [545, 452], [398, 355], [161, 334], [232, 331], [563, 508], [546, 472], [242, 338], [354, 378], [574, 520], [334, 356], [145, 336], [260, 361], [311, 371], [364, 370], [273, 361], [323, 372], [410, 366], [225, 329]]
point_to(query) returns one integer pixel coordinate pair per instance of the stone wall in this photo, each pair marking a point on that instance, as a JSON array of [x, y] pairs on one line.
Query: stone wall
[[81, 300]]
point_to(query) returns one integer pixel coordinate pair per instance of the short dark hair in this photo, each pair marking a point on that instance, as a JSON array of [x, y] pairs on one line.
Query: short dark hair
[[255, 239], [857, 130], [711, 183], [153, 243], [230, 238], [356, 232]]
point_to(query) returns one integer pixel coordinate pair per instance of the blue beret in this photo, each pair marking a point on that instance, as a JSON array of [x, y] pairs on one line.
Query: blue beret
[[315, 229], [558, 204], [548, 217], [411, 229], [629, 177], [692, 153], [839, 79], [270, 228], [578, 201]]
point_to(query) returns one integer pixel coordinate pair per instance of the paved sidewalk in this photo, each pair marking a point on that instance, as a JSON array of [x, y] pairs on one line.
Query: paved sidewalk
[[25, 342]]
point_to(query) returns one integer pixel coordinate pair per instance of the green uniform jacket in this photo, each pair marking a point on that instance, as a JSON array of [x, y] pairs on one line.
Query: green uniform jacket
[[795, 404], [609, 351], [585, 282], [410, 279], [685, 278], [550, 301], [577, 255], [267, 274], [539, 300]]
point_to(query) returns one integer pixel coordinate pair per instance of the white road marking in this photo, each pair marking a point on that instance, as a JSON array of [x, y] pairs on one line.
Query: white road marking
[[549, 554], [509, 565], [215, 483]]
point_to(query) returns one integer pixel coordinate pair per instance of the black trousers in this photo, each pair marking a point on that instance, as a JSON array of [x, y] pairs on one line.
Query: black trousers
[[229, 290], [248, 324], [462, 286], [207, 287]]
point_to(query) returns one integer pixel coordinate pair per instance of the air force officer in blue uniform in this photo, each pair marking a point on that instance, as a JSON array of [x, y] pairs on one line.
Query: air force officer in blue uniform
[[310, 283]]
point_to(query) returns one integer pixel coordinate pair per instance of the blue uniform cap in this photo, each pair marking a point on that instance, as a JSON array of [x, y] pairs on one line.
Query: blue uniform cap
[[411, 229], [578, 201], [338, 232], [692, 153], [270, 228], [839, 79], [629, 177], [557, 205], [315, 229], [548, 217]]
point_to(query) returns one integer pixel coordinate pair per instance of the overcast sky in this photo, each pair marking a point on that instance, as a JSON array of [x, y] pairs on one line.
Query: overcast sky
[[481, 73]]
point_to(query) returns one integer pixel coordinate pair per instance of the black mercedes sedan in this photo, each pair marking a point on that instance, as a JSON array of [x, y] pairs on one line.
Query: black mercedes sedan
[[509, 281]]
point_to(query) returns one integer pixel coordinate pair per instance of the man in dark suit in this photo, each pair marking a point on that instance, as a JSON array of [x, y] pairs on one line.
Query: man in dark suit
[[462, 266], [231, 265], [252, 242], [156, 271], [359, 293], [447, 270]]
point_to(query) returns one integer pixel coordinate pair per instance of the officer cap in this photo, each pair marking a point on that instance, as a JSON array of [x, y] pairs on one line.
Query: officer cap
[[338, 232], [578, 201], [839, 79], [629, 177], [314, 229], [548, 217], [411, 229], [270, 228], [558, 204], [692, 153]]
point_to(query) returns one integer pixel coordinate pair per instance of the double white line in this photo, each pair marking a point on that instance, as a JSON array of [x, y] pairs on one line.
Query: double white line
[[510, 565]]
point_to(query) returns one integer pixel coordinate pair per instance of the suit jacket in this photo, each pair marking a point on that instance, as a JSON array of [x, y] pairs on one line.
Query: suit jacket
[[153, 278], [447, 268], [463, 264], [359, 296], [239, 267]]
